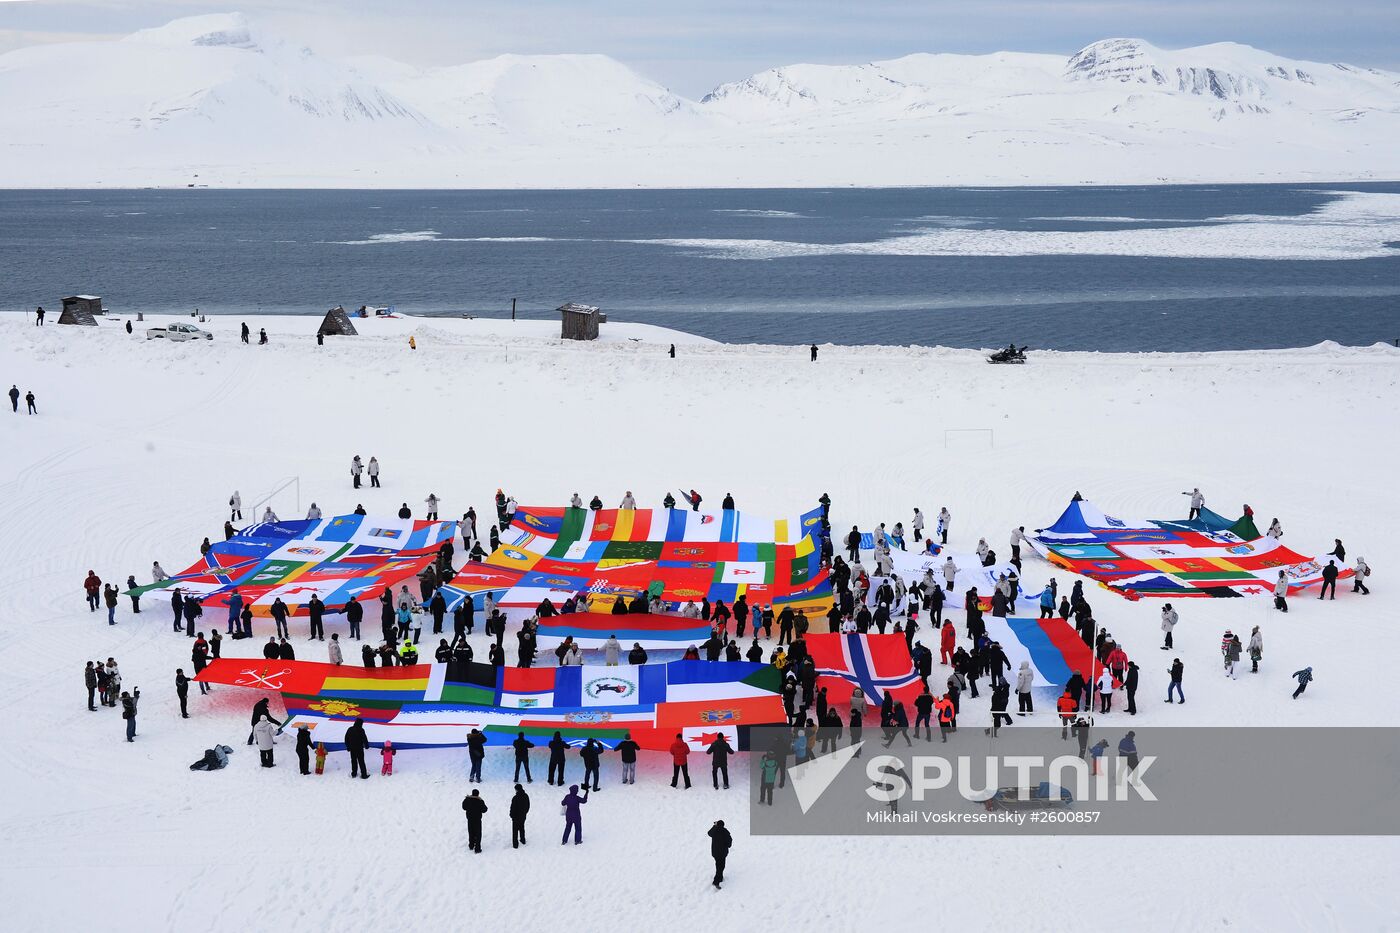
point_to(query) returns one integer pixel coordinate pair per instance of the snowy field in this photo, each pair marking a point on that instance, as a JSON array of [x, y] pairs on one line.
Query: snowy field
[[137, 446]]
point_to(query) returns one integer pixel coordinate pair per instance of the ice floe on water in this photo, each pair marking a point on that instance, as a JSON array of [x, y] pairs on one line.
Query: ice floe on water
[[1357, 225], [433, 236]]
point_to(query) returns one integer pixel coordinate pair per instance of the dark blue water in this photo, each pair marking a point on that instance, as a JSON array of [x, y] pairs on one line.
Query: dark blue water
[[300, 252]]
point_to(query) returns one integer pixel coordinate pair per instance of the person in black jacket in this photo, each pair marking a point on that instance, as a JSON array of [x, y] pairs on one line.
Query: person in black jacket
[[182, 690], [1130, 684], [90, 681], [590, 753], [853, 544], [522, 748], [285, 651], [1329, 577], [278, 611], [367, 654], [719, 763], [627, 751], [304, 748], [476, 752], [316, 609], [355, 743], [557, 746], [637, 655], [438, 607], [177, 603], [270, 649], [720, 840], [519, 810], [129, 701], [354, 612], [475, 808]]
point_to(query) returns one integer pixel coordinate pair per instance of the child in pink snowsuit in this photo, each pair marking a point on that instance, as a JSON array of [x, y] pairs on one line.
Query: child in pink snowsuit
[[388, 755]]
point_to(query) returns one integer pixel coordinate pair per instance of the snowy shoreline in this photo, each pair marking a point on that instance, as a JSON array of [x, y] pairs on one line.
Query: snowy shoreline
[[617, 336]]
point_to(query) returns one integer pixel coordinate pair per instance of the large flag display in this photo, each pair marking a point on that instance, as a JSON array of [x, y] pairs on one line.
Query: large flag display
[[438, 704], [675, 555], [878, 664], [1205, 556], [333, 558], [1054, 649], [592, 629]]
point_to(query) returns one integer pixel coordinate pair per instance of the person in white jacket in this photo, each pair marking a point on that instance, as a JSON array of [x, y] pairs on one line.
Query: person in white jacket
[[432, 503], [1198, 502], [1024, 680], [950, 572], [269, 515], [612, 650], [1281, 592], [573, 657], [1275, 530], [628, 502], [158, 574], [1256, 649], [264, 736], [1017, 536], [333, 649], [945, 518], [575, 501], [356, 468], [918, 525], [1105, 690], [1358, 580], [235, 507], [982, 549], [1169, 620], [373, 471], [313, 513]]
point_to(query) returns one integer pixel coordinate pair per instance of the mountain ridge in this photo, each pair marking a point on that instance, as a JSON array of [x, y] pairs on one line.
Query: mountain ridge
[[215, 99]]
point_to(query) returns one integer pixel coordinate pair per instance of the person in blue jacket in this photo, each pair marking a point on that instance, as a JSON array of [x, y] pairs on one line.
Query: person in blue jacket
[[235, 606], [573, 819]]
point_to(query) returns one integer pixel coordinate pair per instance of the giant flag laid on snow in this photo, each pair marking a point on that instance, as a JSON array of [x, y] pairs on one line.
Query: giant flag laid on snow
[[437, 704], [592, 630], [1053, 648], [1205, 556], [878, 664], [333, 558], [559, 553]]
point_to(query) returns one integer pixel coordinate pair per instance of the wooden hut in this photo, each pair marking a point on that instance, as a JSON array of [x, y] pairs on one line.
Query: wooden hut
[[580, 322], [81, 309], [337, 323]]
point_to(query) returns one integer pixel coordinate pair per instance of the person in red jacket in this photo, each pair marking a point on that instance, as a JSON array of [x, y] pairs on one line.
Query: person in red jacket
[[1068, 707], [948, 644], [1117, 661], [680, 761], [93, 585]]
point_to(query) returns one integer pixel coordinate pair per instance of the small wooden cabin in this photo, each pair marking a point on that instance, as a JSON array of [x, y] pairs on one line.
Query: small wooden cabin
[[580, 322]]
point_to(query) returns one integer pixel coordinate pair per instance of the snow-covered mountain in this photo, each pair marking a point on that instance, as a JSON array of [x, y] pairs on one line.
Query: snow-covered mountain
[[214, 100]]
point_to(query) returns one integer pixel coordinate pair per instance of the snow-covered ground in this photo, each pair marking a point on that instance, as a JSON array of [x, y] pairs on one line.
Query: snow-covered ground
[[217, 100], [138, 445]]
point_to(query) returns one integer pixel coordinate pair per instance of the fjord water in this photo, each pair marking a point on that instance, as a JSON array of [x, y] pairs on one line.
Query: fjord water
[[1188, 267]]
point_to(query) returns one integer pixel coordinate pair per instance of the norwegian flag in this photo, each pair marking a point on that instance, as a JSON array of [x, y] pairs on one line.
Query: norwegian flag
[[876, 663]]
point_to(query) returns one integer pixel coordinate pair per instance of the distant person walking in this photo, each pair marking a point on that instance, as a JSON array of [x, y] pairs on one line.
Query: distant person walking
[[14, 398], [720, 844], [519, 810], [29, 400], [39, 316], [814, 359], [244, 329], [1304, 677]]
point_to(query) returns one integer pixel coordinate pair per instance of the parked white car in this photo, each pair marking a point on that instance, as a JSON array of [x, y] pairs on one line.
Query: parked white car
[[178, 332]]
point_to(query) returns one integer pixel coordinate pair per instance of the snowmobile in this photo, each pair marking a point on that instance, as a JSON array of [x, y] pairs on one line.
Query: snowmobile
[[1009, 355], [1043, 796]]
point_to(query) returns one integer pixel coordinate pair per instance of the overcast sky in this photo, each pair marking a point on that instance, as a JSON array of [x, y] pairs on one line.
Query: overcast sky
[[692, 46]]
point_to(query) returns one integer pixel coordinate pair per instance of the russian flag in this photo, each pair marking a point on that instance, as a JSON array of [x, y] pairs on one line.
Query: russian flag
[[1054, 649]]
